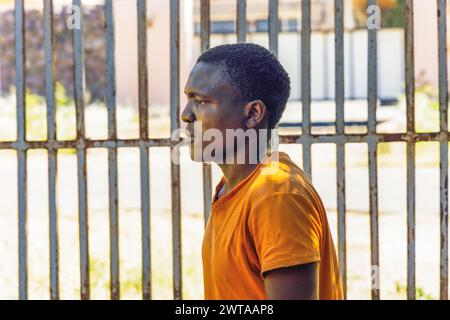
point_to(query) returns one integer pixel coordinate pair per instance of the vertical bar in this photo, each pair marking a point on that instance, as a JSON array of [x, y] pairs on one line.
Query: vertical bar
[[372, 146], [175, 124], [443, 111], [241, 21], [306, 85], [19, 30], [325, 58], [143, 133], [351, 53], [52, 152], [205, 24], [410, 148], [273, 26], [112, 153], [81, 156], [340, 100], [205, 42], [207, 187]]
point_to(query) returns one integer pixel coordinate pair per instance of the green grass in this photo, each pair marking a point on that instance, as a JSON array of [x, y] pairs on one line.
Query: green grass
[[421, 294]]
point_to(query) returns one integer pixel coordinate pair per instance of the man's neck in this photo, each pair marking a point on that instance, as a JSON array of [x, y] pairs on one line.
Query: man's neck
[[235, 173]]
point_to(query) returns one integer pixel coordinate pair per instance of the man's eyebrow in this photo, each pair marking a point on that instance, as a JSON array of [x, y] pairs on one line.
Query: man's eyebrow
[[194, 93]]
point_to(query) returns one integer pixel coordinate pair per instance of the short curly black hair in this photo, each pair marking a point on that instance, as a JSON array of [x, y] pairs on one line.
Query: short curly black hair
[[256, 73]]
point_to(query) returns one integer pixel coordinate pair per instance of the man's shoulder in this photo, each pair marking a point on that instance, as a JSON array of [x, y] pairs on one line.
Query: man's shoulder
[[285, 186], [279, 174]]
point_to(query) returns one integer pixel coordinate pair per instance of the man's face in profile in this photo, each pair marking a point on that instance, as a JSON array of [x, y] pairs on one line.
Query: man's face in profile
[[213, 102]]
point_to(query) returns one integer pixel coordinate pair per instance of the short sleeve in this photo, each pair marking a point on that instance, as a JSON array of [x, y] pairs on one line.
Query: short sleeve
[[286, 230]]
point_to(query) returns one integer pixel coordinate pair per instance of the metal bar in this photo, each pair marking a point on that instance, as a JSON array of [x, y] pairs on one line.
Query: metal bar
[[372, 146], [81, 156], [205, 24], [175, 124], [19, 31], [374, 232], [112, 153], [206, 168], [372, 77], [284, 139], [410, 162], [443, 112], [143, 150], [351, 53], [363, 138], [340, 130], [325, 54], [207, 195], [411, 257], [241, 21], [273, 26], [306, 85], [49, 41]]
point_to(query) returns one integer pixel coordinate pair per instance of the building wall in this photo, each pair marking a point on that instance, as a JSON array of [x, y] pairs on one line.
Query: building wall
[[390, 56], [158, 50], [390, 66], [426, 44]]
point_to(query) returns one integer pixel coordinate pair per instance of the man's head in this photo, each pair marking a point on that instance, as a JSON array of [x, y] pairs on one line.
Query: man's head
[[238, 86]]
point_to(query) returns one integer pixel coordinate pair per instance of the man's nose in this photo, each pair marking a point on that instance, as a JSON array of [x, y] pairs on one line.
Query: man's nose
[[187, 115]]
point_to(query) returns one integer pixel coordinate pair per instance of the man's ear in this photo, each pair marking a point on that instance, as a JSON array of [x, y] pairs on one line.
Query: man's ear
[[254, 113]]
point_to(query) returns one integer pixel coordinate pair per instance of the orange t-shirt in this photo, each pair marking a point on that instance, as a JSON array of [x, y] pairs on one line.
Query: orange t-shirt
[[272, 219]]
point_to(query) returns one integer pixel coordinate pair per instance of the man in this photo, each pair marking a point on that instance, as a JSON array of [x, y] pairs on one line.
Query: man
[[267, 236]]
